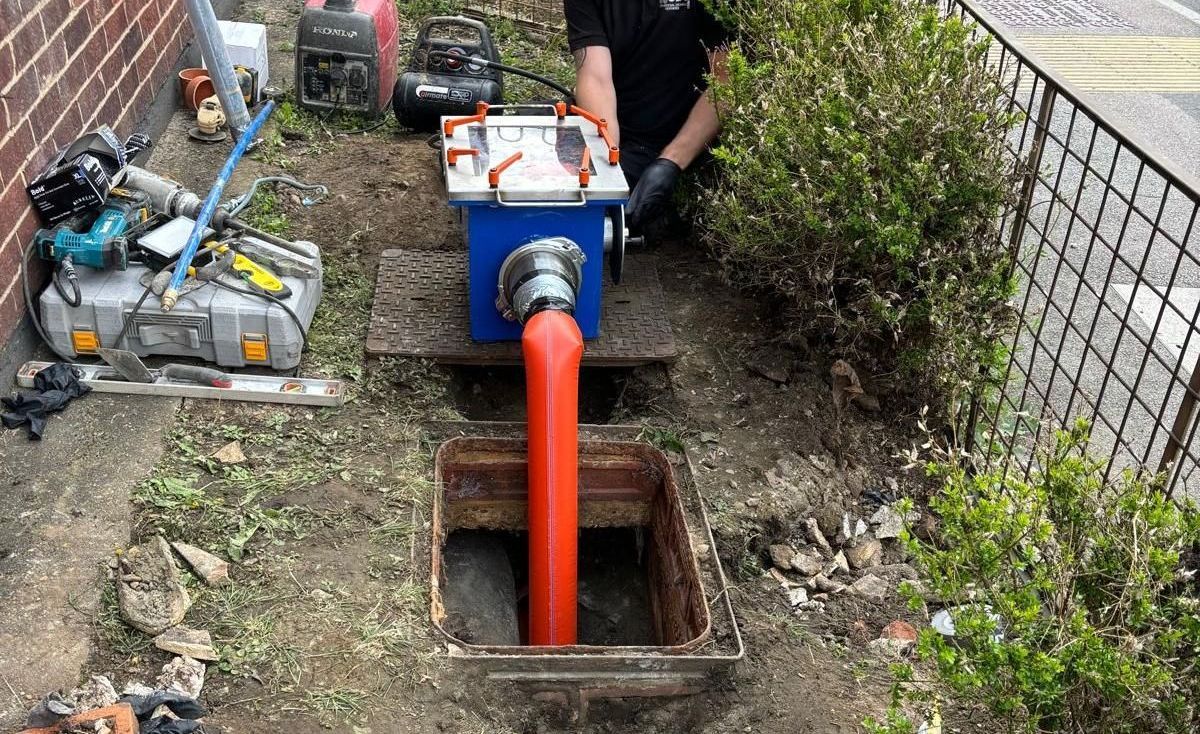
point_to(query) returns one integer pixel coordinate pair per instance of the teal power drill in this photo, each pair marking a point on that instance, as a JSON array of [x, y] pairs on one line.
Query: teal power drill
[[95, 240]]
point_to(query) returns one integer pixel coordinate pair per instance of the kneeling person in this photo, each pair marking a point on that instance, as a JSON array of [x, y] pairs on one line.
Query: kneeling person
[[641, 65]]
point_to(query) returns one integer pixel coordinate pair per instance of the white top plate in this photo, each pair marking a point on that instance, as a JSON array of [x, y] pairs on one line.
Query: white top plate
[[548, 170]]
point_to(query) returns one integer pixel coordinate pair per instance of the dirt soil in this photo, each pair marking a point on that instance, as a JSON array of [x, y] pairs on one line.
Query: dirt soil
[[325, 625]]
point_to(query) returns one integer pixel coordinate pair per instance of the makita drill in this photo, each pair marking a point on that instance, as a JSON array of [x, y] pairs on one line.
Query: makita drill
[[94, 239]]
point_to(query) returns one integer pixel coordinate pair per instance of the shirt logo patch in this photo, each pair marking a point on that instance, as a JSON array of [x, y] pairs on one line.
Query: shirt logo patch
[[675, 4]]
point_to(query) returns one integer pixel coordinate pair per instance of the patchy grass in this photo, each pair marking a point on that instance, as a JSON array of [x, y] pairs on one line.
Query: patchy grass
[[337, 336], [191, 496], [389, 634], [334, 705], [266, 213], [118, 636], [313, 479], [247, 634]]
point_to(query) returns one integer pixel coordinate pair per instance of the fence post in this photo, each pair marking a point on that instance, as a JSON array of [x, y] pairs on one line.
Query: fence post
[[1033, 162], [1179, 429]]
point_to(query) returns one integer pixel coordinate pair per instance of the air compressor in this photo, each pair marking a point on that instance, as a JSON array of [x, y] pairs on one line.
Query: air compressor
[[451, 69], [346, 55]]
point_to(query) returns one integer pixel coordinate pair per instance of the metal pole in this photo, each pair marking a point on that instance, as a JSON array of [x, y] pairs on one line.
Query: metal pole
[[1032, 164], [1179, 429], [171, 295], [212, 48], [1020, 218]]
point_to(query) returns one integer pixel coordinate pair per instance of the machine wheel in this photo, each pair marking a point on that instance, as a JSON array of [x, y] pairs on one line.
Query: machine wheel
[[616, 254]]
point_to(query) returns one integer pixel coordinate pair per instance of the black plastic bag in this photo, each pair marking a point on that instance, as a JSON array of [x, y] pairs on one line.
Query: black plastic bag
[[180, 704], [55, 386]]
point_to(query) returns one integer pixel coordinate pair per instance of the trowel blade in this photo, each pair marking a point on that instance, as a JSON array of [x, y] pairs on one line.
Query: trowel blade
[[128, 364]]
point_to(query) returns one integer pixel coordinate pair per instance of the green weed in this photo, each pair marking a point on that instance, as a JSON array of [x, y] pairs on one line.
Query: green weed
[[667, 439], [266, 213], [336, 704]]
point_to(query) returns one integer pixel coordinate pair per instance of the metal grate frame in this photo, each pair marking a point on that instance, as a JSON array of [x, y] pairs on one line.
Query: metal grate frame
[[421, 310]]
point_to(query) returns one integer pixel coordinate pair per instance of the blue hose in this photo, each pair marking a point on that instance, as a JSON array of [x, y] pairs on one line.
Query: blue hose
[[210, 206]]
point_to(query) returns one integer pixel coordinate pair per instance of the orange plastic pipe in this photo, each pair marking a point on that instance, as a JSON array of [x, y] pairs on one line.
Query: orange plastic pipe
[[553, 348]]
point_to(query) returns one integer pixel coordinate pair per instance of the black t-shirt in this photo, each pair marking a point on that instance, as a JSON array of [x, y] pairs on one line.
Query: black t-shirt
[[659, 52]]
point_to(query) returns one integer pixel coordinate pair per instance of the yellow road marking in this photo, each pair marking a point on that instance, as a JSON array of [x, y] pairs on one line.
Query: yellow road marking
[[1121, 63]]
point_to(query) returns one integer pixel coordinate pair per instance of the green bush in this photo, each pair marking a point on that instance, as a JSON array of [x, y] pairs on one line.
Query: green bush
[[859, 176], [1073, 597]]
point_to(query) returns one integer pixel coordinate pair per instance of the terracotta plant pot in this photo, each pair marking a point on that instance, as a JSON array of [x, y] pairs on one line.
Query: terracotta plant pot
[[198, 89], [185, 76]]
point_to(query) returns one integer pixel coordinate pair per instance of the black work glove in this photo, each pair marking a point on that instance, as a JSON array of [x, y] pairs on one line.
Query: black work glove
[[652, 193]]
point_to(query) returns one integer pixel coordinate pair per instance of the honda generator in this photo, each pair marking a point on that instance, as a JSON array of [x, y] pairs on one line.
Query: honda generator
[[346, 55], [448, 73]]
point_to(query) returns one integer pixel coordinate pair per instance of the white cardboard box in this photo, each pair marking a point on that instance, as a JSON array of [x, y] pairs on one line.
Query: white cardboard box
[[246, 44]]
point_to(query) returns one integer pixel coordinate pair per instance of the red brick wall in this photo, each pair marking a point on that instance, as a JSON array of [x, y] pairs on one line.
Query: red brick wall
[[67, 67]]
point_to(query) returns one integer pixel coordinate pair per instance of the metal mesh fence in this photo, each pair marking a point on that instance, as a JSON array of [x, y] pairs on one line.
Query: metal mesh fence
[[1104, 251], [540, 15]]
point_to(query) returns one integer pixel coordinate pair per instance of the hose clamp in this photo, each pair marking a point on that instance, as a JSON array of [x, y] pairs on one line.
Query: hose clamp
[[545, 273]]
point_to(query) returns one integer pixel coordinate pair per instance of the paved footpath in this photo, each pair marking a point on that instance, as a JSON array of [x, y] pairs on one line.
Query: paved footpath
[[1138, 59]]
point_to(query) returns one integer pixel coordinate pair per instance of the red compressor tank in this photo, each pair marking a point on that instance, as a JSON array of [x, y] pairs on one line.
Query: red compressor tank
[[346, 55]]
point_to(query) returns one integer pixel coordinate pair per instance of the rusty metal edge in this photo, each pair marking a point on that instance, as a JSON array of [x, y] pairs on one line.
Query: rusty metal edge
[[626, 656], [540, 652]]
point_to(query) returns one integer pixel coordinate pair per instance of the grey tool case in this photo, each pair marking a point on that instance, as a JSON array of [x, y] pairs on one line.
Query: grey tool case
[[211, 323]]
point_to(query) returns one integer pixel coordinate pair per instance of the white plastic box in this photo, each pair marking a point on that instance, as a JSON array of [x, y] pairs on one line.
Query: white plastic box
[[246, 44]]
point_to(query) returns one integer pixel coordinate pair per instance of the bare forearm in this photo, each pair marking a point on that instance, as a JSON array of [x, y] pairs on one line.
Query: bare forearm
[[594, 89], [703, 124], [700, 129]]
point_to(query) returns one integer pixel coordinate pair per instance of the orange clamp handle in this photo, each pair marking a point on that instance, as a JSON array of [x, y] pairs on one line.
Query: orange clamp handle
[[585, 168], [453, 154], [614, 153], [589, 116], [560, 109], [481, 110], [494, 172]]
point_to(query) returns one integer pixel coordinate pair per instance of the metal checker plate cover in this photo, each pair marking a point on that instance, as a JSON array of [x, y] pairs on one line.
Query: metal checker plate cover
[[421, 310]]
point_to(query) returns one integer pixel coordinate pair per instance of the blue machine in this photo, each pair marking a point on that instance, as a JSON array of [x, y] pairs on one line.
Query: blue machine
[[96, 241], [523, 178]]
